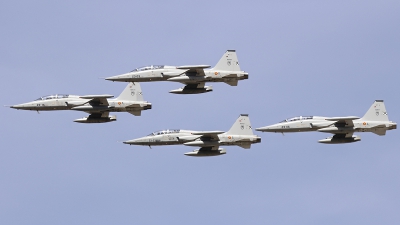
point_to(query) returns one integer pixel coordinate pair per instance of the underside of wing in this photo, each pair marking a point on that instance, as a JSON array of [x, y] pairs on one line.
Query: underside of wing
[[344, 121], [97, 99], [209, 135], [194, 70]]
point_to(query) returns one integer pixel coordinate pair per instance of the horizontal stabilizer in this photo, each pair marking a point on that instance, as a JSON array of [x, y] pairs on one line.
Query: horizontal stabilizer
[[135, 112], [379, 131], [245, 145], [96, 96], [232, 82]]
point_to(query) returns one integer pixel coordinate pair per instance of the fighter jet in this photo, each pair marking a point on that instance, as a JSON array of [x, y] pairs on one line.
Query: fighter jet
[[98, 106], [193, 76], [240, 134], [375, 120]]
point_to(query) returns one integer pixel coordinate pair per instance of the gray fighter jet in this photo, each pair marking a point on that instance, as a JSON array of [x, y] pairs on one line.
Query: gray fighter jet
[[194, 77], [375, 120], [240, 134], [98, 106]]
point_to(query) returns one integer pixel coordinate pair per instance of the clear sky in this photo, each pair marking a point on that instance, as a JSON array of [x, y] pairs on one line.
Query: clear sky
[[325, 58]]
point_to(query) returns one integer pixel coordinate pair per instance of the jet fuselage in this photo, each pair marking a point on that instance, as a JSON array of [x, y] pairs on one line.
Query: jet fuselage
[[74, 102], [186, 137], [171, 73]]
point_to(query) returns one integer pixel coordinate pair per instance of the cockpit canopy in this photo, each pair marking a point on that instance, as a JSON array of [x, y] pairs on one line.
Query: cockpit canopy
[[297, 118], [52, 97], [151, 67], [164, 132]]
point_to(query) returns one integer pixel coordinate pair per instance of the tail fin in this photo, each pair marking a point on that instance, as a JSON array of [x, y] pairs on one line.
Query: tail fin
[[242, 126], [132, 92], [229, 61], [377, 112]]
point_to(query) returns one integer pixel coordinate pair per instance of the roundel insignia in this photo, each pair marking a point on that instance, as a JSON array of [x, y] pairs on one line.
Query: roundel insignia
[[364, 123], [229, 137], [216, 73], [119, 103], [229, 63]]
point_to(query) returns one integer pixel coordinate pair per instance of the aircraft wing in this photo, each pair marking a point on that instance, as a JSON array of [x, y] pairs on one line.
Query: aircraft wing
[[195, 69], [213, 135], [348, 120], [97, 99]]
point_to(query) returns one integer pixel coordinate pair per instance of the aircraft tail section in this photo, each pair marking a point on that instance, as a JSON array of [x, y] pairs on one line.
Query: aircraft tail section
[[242, 126], [229, 61], [132, 92], [377, 112]]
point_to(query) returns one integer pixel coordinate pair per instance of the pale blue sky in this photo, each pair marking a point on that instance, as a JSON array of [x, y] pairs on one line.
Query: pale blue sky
[[330, 58]]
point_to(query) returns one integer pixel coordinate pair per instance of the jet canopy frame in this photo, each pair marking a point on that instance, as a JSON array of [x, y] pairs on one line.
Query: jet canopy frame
[[297, 118], [169, 131], [55, 96], [150, 67]]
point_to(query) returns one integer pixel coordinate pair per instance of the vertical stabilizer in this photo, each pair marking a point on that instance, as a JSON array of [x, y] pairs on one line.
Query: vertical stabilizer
[[132, 92], [242, 126], [377, 112], [229, 61]]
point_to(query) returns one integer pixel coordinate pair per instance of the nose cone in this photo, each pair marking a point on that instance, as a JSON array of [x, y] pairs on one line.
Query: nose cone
[[123, 77], [265, 129], [138, 141], [20, 106], [271, 128]]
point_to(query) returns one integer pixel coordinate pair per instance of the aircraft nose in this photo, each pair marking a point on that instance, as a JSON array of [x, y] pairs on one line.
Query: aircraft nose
[[128, 142], [133, 142], [116, 78], [20, 106], [111, 78], [266, 128]]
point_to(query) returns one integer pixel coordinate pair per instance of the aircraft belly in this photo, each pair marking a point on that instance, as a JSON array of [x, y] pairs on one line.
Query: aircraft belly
[[293, 130], [50, 108]]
